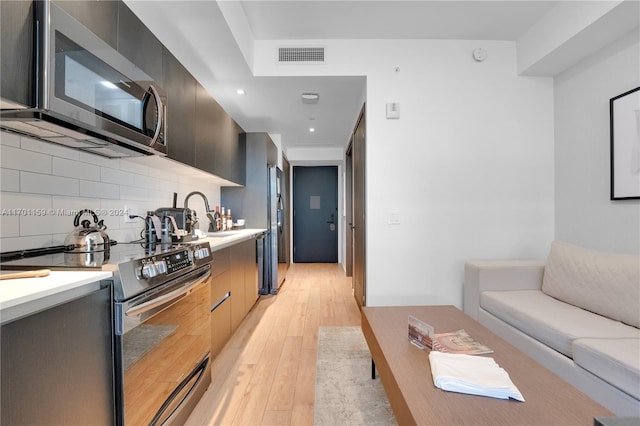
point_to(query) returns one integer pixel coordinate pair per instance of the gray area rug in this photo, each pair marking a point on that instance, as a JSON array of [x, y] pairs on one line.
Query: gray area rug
[[344, 392]]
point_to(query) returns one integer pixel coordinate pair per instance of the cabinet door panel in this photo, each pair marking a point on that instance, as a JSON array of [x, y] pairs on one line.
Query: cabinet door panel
[[219, 149], [138, 44], [220, 261], [180, 87], [16, 51], [238, 310], [57, 365], [221, 315], [101, 17], [250, 274]]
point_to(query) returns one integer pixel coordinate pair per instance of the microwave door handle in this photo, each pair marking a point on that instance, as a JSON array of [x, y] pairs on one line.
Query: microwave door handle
[[168, 298], [152, 90]]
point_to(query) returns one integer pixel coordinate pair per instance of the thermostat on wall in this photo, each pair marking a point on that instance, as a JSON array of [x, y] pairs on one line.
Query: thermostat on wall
[[393, 110]]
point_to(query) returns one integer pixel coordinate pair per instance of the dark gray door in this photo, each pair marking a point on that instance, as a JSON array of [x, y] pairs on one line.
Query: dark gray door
[[315, 214]]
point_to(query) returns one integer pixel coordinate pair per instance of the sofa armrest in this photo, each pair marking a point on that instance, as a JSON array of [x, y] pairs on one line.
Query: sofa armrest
[[498, 275]]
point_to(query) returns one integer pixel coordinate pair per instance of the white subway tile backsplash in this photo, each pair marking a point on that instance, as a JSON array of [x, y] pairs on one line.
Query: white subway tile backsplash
[[10, 139], [53, 149], [19, 159], [130, 166], [9, 180], [37, 183], [16, 200], [9, 225], [75, 169], [58, 181], [74, 204], [47, 224], [104, 190], [133, 193], [146, 182], [118, 177]]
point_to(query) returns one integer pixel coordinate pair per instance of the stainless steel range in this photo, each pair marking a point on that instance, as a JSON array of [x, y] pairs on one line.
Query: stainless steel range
[[162, 334], [162, 330]]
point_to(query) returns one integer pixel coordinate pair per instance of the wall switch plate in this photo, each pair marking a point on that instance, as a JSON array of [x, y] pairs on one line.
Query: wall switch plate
[[393, 218], [131, 210], [393, 110]]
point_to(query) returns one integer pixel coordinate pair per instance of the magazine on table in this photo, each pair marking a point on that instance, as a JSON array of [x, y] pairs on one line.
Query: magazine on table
[[459, 342], [422, 335]]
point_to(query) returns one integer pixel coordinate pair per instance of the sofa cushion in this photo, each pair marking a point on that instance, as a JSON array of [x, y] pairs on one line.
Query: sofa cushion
[[550, 321], [607, 284], [616, 361]]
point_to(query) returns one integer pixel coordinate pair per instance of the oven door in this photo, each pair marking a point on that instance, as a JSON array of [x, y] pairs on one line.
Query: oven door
[[162, 350]]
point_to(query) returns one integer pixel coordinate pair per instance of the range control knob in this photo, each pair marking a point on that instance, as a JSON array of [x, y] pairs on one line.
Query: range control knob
[[148, 270], [201, 253], [161, 266]]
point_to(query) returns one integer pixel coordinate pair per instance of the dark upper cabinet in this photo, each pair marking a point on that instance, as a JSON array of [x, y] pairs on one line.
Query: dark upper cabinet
[[219, 148], [199, 132], [16, 51], [180, 88], [138, 44], [101, 17]]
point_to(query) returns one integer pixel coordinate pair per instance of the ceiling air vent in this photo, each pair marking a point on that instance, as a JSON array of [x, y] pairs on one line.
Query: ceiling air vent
[[301, 54]]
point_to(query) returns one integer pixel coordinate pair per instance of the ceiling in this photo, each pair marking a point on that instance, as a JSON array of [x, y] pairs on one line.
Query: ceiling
[[197, 33]]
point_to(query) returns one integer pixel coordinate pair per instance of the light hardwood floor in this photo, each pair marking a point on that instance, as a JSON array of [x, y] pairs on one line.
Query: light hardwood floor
[[265, 375]]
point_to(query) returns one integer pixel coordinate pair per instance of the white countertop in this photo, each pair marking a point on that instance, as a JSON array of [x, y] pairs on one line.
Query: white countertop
[[24, 296], [228, 238]]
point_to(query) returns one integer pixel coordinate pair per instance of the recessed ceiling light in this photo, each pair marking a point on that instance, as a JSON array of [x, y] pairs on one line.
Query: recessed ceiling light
[[311, 129], [240, 91], [310, 98]]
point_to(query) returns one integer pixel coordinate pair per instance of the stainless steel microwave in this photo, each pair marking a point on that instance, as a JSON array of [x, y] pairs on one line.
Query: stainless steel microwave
[[87, 95]]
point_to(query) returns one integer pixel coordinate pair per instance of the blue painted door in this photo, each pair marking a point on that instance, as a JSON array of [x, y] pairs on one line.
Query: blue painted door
[[315, 214]]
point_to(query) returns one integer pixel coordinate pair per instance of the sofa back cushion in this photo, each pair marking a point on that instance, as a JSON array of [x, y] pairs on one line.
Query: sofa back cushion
[[606, 284]]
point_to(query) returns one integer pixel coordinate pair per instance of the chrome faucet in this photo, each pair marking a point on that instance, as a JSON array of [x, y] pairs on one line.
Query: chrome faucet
[[206, 206]]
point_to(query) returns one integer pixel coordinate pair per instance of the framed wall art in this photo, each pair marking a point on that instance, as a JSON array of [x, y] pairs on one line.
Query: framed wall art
[[624, 116]]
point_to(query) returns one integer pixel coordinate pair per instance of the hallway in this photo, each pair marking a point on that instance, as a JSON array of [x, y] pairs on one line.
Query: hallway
[[266, 372]]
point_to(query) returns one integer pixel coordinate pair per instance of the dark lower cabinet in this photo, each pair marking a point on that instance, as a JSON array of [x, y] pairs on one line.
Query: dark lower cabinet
[[234, 290], [57, 365]]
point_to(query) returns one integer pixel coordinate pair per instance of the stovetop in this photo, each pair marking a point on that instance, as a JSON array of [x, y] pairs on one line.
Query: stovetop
[[135, 268], [117, 254]]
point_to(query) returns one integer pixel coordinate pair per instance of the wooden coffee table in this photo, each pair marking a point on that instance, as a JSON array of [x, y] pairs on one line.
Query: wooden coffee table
[[406, 376]]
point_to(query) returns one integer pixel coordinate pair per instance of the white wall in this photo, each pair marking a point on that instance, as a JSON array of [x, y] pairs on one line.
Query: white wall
[[42, 178], [584, 213], [468, 167]]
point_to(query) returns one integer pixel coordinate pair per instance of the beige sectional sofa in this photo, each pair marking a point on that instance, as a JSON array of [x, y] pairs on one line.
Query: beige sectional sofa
[[577, 313]]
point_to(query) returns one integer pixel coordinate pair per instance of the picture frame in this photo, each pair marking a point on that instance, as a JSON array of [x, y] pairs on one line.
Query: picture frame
[[624, 116]]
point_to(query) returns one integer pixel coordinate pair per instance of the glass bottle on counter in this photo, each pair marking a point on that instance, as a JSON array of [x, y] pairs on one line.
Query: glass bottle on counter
[[223, 220], [229, 220], [216, 218]]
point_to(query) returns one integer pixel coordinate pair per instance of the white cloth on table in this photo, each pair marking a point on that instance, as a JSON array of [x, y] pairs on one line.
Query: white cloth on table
[[472, 374]]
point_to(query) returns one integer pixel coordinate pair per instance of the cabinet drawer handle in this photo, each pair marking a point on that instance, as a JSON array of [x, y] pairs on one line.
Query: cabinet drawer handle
[[221, 301]]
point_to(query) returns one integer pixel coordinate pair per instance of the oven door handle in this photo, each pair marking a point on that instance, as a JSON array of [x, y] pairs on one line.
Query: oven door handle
[[168, 298]]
